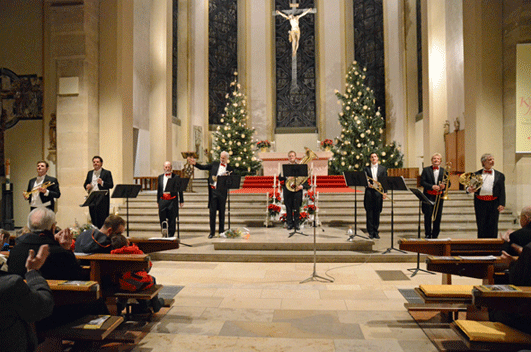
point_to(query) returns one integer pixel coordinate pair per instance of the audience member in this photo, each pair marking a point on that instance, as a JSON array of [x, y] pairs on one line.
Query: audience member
[[99, 241], [61, 263], [138, 280], [519, 237], [24, 303]]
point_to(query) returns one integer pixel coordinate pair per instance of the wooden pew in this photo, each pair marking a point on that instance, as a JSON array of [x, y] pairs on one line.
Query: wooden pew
[[111, 266], [154, 245], [452, 247], [496, 336], [477, 268], [447, 299], [74, 292]]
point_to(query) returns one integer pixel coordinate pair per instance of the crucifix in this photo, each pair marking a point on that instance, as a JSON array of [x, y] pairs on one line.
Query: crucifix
[[293, 15]]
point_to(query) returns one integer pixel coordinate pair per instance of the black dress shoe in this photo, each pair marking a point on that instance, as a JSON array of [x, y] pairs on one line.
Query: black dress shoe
[[377, 236], [290, 227], [211, 235], [371, 236], [297, 227]]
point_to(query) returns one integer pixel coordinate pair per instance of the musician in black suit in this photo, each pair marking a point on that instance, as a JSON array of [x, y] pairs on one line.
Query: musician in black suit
[[216, 198], [431, 180], [373, 200], [99, 179], [292, 199], [489, 200], [45, 196], [168, 202]]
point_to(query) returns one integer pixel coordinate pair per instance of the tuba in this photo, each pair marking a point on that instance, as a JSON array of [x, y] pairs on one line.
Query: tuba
[[470, 179], [293, 182]]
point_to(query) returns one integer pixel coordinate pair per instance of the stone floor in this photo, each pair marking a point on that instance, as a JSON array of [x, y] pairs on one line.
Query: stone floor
[[228, 306]]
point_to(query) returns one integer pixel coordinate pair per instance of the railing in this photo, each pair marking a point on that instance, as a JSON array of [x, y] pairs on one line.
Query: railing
[[148, 183]]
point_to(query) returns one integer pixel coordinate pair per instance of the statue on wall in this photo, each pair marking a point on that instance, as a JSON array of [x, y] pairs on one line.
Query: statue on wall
[[446, 127], [456, 124]]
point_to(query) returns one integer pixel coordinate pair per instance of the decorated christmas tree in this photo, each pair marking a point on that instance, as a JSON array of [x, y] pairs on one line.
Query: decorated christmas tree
[[362, 127], [234, 136]]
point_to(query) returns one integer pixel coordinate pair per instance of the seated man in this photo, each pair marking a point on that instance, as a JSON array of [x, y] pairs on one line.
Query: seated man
[[519, 275], [61, 263], [23, 303], [519, 237], [99, 241]]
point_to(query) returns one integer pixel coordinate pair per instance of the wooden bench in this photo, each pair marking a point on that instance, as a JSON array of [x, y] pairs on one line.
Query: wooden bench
[[492, 336], [462, 266], [447, 299], [140, 295], [147, 245], [112, 266], [74, 292]]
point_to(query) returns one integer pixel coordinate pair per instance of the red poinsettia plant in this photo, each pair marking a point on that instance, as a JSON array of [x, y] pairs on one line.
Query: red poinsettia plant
[[283, 217], [310, 196], [273, 209], [274, 197], [263, 144], [327, 143], [310, 208]]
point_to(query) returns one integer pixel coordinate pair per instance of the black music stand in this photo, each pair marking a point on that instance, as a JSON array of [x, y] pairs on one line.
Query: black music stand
[[393, 183], [226, 183], [126, 191], [422, 199], [295, 170], [94, 198], [177, 184], [355, 179]]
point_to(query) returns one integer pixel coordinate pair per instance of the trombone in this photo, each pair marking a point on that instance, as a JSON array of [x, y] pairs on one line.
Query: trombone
[[379, 188], [444, 193], [36, 189]]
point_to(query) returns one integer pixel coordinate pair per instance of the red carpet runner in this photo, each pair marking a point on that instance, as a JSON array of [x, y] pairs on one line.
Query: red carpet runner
[[264, 184]]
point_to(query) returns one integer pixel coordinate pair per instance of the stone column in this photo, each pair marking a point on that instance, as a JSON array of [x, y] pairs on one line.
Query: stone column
[[73, 54], [483, 82]]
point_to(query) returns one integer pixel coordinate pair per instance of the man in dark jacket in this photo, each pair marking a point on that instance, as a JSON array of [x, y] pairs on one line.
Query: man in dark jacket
[[24, 303], [168, 202], [216, 197], [99, 179], [46, 188], [61, 263], [519, 237], [99, 241]]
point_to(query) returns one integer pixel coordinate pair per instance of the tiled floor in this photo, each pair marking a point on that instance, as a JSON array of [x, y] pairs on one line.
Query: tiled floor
[[264, 307]]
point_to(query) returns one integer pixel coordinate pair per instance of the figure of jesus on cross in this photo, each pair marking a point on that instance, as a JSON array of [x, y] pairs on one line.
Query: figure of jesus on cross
[[293, 15]]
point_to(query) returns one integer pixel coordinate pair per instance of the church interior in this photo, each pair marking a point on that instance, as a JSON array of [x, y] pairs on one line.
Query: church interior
[[142, 82]]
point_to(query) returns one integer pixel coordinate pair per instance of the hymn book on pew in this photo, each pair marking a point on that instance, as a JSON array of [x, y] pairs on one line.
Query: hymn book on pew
[[96, 323], [77, 283], [499, 288]]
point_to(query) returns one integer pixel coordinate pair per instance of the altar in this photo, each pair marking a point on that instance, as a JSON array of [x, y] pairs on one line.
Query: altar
[[272, 160]]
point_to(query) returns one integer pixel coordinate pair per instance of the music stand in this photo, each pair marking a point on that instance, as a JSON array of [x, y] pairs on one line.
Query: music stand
[[422, 199], [355, 179], [226, 183], [94, 198], [295, 170], [393, 183], [126, 191], [178, 184]]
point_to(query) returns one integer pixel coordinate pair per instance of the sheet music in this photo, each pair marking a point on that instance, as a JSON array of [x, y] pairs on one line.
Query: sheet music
[[478, 257]]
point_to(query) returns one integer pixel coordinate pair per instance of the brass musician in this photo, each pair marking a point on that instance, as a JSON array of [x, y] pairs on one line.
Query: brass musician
[[431, 180], [43, 189], [293, 197], [373, 198]]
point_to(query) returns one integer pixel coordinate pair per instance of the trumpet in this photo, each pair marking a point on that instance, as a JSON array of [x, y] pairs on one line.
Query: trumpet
[[36, 189], [379, 188], [444, 194]]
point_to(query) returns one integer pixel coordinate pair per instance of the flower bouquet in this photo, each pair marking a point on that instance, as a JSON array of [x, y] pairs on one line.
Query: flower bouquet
[[265, 144], [327, 144], [236, 233], [274, 198], [310, 208], [283, 217], [303, 217], [273, 209], [310, 196]]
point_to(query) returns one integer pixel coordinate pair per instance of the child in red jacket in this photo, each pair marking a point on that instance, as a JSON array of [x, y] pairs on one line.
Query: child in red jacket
[[138, 280]]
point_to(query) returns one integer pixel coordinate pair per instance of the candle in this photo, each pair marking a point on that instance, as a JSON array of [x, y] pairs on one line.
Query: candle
[[274, 182], [278, 169], [8, 167]]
